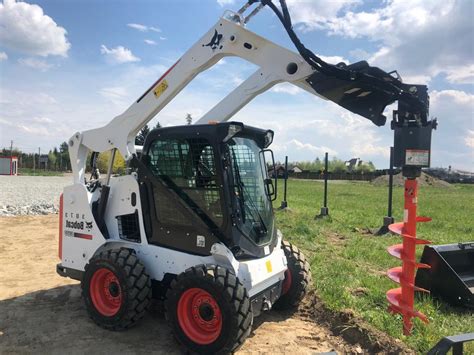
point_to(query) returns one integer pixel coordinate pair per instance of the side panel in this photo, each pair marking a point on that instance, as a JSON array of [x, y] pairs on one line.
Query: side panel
[[124, 199], [81, 235]]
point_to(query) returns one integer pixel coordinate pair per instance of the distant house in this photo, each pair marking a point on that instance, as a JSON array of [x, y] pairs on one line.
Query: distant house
[[296, 170], [9, 165], [280, 170], [352, 164], [43, 161]]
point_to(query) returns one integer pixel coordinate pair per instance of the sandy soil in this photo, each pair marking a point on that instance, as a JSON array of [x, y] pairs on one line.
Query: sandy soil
[[41, 312]]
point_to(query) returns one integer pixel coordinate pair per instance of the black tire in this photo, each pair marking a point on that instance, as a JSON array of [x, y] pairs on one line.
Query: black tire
[[298, 276], [230, 304], [129, 290]]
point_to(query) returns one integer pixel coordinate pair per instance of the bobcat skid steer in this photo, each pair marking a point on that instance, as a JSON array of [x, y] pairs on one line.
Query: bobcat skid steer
[[191, 223]]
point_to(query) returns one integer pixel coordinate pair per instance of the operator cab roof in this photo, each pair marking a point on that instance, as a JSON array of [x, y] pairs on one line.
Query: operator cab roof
[[214, 132]]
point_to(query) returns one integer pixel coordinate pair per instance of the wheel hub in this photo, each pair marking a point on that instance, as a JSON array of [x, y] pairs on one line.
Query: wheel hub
[[199, 316], [105, 292]]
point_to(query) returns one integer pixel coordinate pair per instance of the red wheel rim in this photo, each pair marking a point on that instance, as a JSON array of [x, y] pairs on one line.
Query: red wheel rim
[[286, 282], [105, 292], [199, 316]]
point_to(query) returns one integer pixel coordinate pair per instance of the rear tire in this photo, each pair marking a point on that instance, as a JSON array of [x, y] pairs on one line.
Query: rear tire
[[209, 310], [297, 278], [116, 289]]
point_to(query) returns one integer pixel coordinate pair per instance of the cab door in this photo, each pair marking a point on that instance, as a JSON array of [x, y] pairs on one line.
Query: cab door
[[186, 194]]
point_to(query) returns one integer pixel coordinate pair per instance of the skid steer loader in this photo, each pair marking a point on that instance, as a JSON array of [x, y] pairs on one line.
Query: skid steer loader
[[191, 223]]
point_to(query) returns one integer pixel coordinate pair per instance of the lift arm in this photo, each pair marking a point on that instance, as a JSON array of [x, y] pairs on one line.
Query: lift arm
[[358, 87], [228, 37]]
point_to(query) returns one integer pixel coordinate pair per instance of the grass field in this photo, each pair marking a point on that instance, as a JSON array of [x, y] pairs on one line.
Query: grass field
[[349, 265], [39, 172]]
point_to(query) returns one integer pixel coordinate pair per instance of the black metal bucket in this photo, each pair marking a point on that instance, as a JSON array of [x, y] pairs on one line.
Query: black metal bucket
[[451, 276]]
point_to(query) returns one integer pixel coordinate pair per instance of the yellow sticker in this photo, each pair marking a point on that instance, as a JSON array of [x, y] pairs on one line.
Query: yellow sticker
[[268, 264], [160, 88]]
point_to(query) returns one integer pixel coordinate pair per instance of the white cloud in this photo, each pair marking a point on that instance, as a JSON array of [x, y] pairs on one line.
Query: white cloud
[[418, 38], [334, 59], [118, 95], [225, 2], [469, 139], [3, 56], [42, 119], [118, 54], [461, 74], [26, 29], [143, 28], [34, 63], [150, 42], [162, 38], [286, 88], [311, 15]]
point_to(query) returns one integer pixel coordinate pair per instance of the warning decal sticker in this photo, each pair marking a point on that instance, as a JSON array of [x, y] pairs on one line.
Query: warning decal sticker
[[160, 88], [417, 157]]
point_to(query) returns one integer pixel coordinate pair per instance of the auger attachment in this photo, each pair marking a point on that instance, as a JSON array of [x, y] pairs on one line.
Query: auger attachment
[[402, 299]]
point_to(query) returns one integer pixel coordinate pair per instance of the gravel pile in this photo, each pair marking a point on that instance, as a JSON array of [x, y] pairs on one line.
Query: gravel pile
[[31, 195], [423, 180]]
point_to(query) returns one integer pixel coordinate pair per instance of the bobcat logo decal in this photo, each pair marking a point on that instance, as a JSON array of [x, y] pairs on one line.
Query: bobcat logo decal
[[88, 226], [215, 42]]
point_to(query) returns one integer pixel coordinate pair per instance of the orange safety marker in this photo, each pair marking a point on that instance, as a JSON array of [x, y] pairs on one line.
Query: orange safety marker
[[402, 299]]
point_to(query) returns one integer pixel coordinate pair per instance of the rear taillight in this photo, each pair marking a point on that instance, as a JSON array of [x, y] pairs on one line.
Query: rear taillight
[[60, 246]]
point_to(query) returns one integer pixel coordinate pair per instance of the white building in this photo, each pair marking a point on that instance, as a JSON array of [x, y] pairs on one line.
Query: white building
[[8, 165]]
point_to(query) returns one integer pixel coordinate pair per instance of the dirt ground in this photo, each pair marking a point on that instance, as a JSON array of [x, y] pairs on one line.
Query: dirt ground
[[41, 312]]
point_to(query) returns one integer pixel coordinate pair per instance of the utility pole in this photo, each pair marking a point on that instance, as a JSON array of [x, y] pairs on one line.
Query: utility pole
[[11, 148], [34, 163]]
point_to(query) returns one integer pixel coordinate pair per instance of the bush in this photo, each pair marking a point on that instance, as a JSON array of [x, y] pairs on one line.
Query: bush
[[119, 163]]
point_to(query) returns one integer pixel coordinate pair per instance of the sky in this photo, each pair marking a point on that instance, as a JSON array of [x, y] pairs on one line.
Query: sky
[[68, 66]]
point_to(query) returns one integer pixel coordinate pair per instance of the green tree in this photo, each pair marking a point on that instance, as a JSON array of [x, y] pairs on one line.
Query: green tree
[[189, 119], [141, 136], [64, 162], [52, 159], [119, 163], [158, 125], [337, 166]]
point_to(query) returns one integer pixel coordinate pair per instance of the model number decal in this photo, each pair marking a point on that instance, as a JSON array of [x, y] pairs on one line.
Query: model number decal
[[72, 234]]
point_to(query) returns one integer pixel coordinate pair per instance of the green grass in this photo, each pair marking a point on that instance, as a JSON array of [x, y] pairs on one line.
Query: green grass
[[39, 172], [344, 258]]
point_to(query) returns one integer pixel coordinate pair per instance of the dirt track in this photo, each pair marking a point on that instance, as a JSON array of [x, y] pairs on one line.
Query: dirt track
[[41, 312]]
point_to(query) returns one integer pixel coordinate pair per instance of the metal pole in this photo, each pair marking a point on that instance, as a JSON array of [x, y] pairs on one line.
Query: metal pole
[[284, 203], [111, 165], [388, 219], [286, 177], [390, 184], [326, 180], [325, 209]]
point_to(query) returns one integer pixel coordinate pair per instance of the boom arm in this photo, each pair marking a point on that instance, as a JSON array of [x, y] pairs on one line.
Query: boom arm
[[226, 38], [360, 88]]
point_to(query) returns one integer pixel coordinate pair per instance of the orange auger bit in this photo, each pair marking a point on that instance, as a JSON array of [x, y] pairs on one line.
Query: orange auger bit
[[402, 299]]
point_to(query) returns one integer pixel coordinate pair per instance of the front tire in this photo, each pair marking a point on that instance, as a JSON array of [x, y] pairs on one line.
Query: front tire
[[208, 309], [297, 278], [116, 289]]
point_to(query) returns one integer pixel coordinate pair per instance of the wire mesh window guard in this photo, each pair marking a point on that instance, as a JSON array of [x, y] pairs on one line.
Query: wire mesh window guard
[[190, 166]]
